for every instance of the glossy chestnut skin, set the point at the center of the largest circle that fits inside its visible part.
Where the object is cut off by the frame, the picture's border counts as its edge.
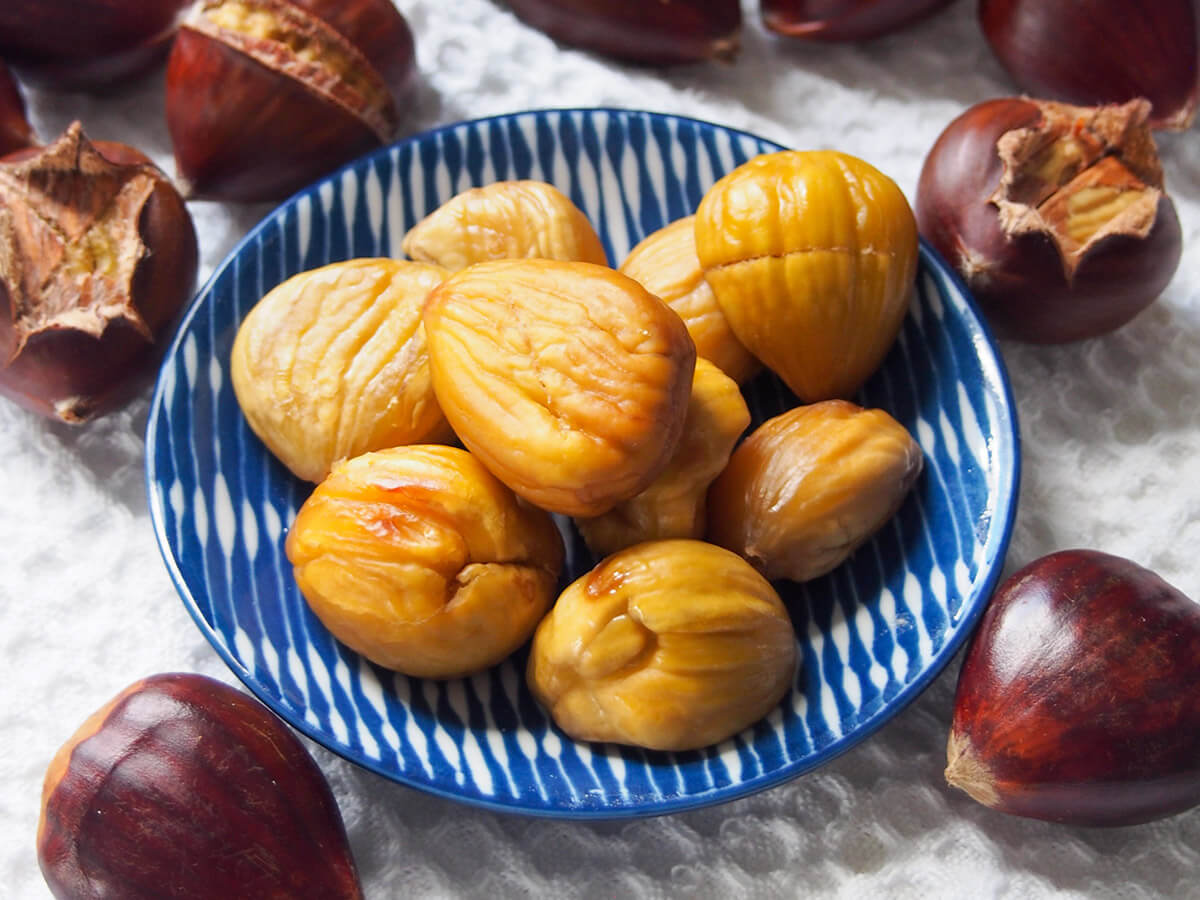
(15, 132)
(69, 375)
(663, 32)
(253, 120)
(844, 20)
(1020, 280)
(85, 45)
(184, 787)
(1090, 52)
(1077, 698)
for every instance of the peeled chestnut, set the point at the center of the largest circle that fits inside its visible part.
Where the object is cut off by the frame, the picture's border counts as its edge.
(85, 44)
(15, 132)
(1055, 215)
(1094, 52)
(658, 33)
(263, 96)
(184, 787)
(1077, 698)
(844, 20)
(97, 256)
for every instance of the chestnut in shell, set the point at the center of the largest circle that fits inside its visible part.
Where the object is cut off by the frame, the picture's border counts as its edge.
(263, 96)
(1055, 215)
(182, 786)
(15, 132)
(663, 32)
(1102, 51)
(1077, 698)
(85, 45)
(844, 20)
(98, 255)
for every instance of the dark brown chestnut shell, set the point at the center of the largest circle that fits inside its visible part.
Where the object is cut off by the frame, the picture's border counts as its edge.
(844, 20)
(1022, 279)
(1092, 52)
(659, 33)
(1077, 700)
(184, 787)
(15, 131)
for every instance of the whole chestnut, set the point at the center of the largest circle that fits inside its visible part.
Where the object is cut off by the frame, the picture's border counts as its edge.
(1093, 52)
(15, 132)
(844, 20)
(85, 45)
(1077, 698)
(1055, 215)
(97, 256)
(182, 786)
(665, 32)
(263, 96)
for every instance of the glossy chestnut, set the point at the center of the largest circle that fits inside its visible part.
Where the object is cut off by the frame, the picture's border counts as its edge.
(844, 20)
(15, 131)
(1055, 215)
(1077, 697)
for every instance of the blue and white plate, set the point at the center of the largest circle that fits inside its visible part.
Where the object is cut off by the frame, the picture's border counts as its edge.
(871, 635)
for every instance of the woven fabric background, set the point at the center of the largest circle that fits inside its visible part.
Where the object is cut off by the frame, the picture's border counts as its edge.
(1111, 441)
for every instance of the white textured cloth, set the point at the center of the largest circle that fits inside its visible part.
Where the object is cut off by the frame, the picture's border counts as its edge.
(1111, 440)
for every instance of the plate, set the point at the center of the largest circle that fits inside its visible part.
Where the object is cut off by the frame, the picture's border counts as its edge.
(871, 635)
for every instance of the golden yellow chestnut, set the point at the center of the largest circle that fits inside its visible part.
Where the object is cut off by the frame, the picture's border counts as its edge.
(807, 487)
(673, 506)
(669, 645)
(505, 220)
(665, 263)
(569, 381)
(812, 256)
(420, 560)
(333, 363)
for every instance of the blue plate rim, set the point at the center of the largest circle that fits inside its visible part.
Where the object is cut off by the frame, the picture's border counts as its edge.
(896, 704)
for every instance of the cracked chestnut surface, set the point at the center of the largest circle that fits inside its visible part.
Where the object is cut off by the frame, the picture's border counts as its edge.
(420, 560)
(569, 381)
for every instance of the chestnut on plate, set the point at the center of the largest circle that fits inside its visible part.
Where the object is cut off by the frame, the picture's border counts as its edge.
(1077, 698)
(97, 256)
(1055, 215)
(1102, 51)
(85, 45)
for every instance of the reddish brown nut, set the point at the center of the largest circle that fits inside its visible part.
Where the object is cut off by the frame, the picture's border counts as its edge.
(263, 96)
(97, 256)
(1077, 698)
(658, 33)
(15, 132)
(1055, 215)
(184, 787)
(1094, 52)
(844, 20)
(85, 45)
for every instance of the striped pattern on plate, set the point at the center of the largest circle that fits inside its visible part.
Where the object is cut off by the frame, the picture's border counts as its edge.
(871, 635)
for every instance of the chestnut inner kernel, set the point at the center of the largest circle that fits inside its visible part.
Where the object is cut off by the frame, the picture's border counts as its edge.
(1079, 177)
(285, 37)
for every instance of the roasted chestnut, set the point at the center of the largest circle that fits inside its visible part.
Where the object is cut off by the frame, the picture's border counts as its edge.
(1055, 215)
(1077, 698)
(97, 256)
(85, 45)
(844, 20)
(1093, 52)
(15, 132)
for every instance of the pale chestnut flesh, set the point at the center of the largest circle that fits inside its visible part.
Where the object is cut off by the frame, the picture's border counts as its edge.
(333, 363)
(569, 381)
(667, 645)
(812, 256)
(184, 787)
(1077, 697)
(809, 486)
(505, 220)
(674, 505)
(423, 562)
(665, 263)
